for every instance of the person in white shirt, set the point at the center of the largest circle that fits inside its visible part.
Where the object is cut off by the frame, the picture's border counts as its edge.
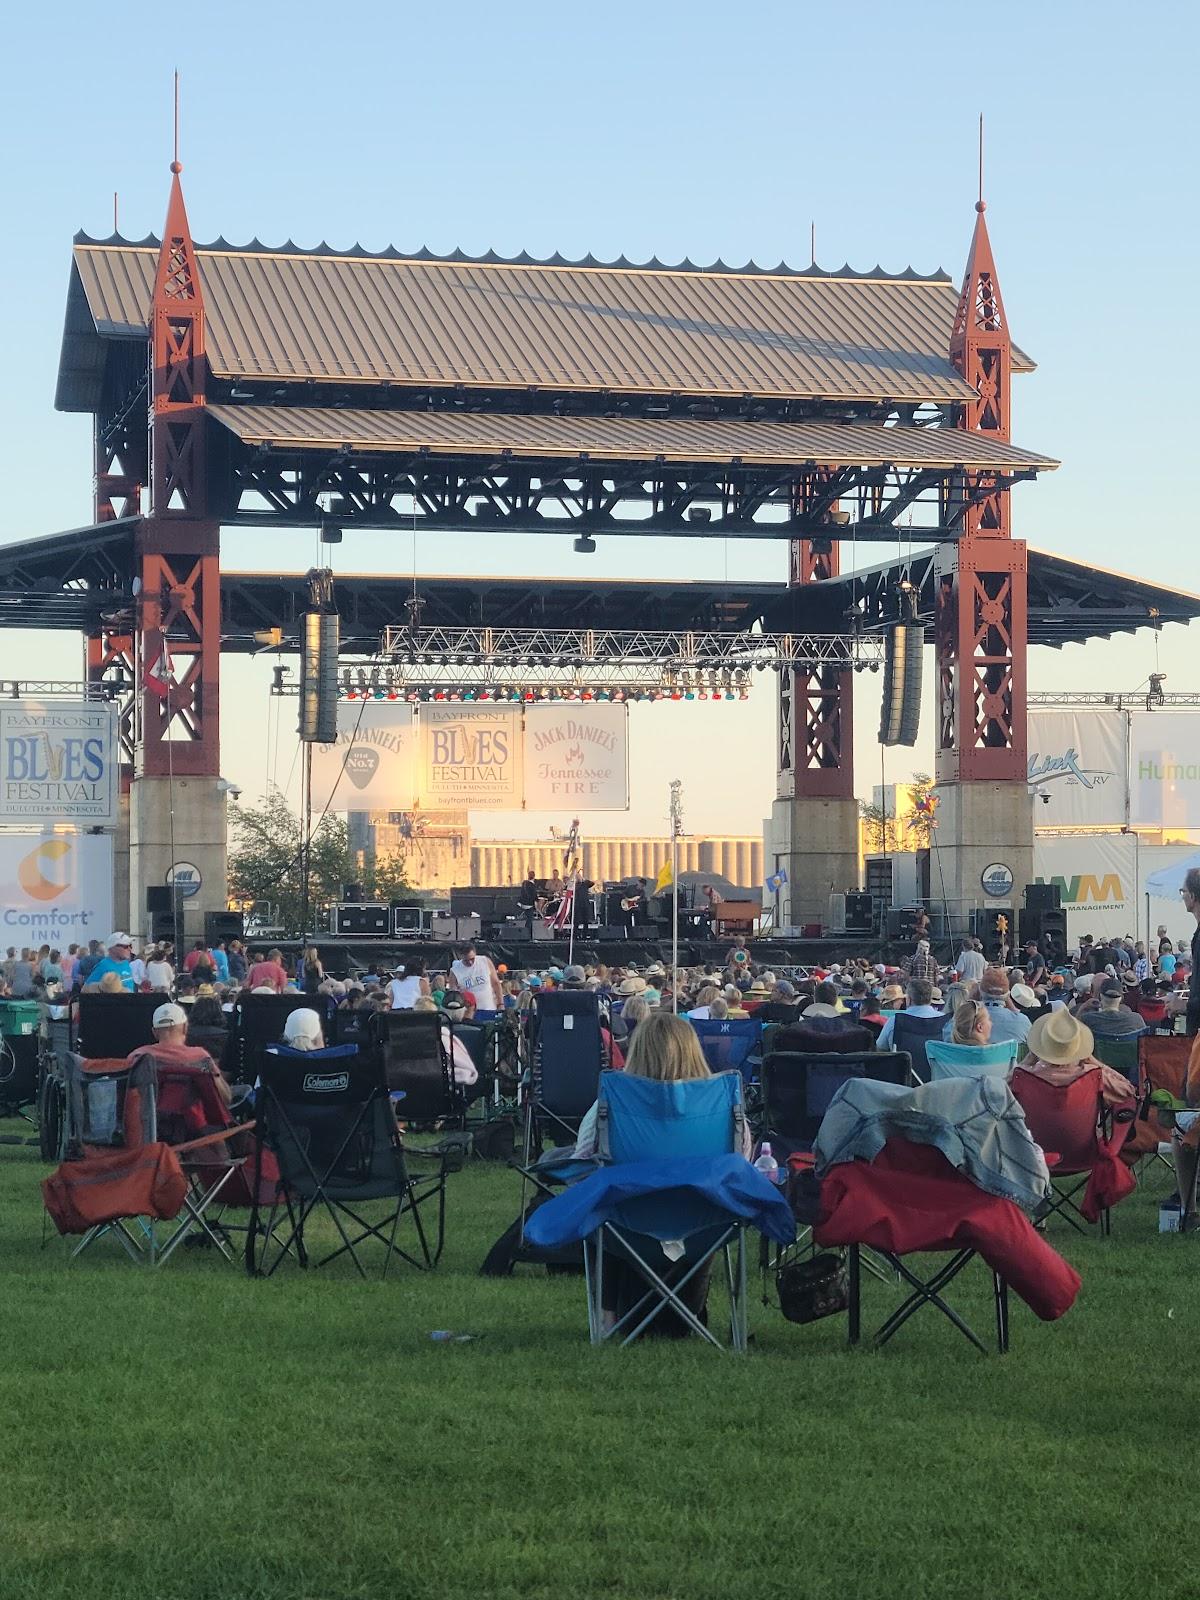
(138, 967)
(406, 989)
(160, 974)
(466, 1073)
(476, 976)
(970, 964)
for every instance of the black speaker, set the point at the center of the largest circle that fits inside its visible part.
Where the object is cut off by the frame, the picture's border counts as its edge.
(900, 718)
(1049, 929)
(318, 677)
(158, 898)
(860, 913)
(223, 925)
(1043, 896)
(353, 891)
(985, 925)
(162, 926)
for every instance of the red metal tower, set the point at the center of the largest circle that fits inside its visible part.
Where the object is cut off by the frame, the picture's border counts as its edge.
(982, 581)
(178, 544)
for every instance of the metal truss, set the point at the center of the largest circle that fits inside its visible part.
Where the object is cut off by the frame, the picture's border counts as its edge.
(57, 689)
(265, 487)
(509, 650)
(1151, 699)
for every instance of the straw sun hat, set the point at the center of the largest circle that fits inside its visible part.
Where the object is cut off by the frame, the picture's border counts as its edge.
(1060, 1039)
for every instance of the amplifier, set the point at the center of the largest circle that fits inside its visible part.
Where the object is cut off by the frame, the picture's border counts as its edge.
(860, 912)
(544, 935)
(469, 927)
(363, 921)
(480, 902)
(443, 926)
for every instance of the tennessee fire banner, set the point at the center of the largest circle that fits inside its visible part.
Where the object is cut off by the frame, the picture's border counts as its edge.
(577, 754)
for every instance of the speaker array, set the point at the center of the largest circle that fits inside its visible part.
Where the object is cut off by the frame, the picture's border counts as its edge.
(900, 720)
(318, 677)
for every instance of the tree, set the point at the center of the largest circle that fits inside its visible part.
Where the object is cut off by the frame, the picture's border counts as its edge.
(266, 861)
(883, 834)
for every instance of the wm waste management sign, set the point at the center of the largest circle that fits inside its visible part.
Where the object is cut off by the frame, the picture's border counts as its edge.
(56, 889)
(58, 762)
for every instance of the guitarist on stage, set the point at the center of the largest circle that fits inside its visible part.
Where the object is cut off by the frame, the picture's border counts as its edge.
(633, 898)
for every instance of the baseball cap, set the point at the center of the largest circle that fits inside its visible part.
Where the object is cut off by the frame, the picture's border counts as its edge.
(1111, 991)
(115, 939)
(168, 1016)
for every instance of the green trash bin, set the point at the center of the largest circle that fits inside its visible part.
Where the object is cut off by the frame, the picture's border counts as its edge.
(19, 1018)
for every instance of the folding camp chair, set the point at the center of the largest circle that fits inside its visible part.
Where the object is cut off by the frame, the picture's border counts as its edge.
(1162, 1064)
(417, 1064)
(640, 1121)
(21, 1067)
(730, 1044)
(568, 1050)
(914, 1034)
(109, 1110)
(112, 1026)
(326, 1117)
(1120, 1054)
(797, 1090)
(947, 1060)
(257, 1023)
(1081, 1138)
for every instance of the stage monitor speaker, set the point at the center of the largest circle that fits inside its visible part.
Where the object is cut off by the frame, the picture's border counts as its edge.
(353, 893)
(223, 925)
(900, 718)
(1043, 897)
(162, 927)
(318, 677)
(1049, 929)
(860, 912)
(158, 898)
(370, 921)
(985, 925)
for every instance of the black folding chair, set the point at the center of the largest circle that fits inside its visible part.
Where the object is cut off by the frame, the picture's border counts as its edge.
(327, 1118)
(416, 1063)
(797, 1089)
(20, 1073)
(258, 1022)
(111, 1026)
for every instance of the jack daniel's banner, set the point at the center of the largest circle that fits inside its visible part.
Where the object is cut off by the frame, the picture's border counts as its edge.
(392, 756)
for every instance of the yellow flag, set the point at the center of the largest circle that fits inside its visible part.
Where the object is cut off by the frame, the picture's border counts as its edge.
(664, 879)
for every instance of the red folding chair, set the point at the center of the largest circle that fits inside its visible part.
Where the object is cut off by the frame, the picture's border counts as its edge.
(1082, 1140)
(1162, 1064)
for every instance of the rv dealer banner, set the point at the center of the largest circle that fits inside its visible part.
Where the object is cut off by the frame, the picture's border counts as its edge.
(390, 757)
(58, 763)
(1090, 765)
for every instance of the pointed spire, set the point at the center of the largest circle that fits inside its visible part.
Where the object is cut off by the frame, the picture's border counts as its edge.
(980, 347)
(178, 366)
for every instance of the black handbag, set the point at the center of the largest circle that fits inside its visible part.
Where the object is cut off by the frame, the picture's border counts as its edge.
(815, 1288)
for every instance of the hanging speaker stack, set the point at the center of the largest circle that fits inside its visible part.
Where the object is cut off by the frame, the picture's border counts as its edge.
(318, 677)
(900, 719)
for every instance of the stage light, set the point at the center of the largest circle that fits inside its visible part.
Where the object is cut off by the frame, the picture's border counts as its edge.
(699, 514)
(330, 532)
(585, 545)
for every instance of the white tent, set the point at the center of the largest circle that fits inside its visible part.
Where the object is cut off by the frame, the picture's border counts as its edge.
(1166, 884)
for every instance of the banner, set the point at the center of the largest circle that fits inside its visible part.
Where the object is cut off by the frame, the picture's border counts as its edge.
(373, 764)
(471, 756)
(1164, 769)
(1077, 767)
(55, 889)
(577, 755)
(1101, 878)
(58, 762)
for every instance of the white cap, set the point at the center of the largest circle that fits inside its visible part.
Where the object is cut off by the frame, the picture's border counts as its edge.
(116, 939)
(302, 1024)
(169, 1016)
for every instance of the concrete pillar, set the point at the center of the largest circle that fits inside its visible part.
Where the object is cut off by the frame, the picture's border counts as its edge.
(980, 825)
(816, 843)
(123, 909)
(200, 841)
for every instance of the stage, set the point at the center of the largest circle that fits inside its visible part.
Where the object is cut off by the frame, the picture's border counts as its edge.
(345, 957)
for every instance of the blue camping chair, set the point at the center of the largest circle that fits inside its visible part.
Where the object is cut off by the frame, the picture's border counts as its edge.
(970, 1060)
(730, 1044)
(668, 1126)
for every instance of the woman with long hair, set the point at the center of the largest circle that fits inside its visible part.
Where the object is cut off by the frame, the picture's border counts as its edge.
(312, 973)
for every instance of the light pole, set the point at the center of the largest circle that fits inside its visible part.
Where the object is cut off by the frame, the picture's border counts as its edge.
(676, 830)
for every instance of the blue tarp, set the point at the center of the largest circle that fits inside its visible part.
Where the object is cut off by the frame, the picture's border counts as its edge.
(726, 1183)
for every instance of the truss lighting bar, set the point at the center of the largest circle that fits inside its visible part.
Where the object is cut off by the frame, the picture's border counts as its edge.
(58, 689)
(512, 651)
(1126, 699)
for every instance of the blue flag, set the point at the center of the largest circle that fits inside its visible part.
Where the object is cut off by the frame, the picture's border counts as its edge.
(776, 880)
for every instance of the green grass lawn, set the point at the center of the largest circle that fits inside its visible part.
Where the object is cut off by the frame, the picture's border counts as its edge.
(189, 1433)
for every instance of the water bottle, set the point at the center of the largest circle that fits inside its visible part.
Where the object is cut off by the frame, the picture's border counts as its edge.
(448, 1336)
(766, 1163)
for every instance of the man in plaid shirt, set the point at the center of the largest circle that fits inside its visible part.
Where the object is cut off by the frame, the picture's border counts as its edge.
(921, 964)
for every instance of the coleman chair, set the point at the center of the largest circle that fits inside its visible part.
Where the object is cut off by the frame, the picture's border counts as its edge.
(326, 1117)
(568, 1050)
(948, 1060)
(672, 1196)
(257, 1023)
(116, 1178)
(1082, 1141)
(914, 1035)
(412, 1047)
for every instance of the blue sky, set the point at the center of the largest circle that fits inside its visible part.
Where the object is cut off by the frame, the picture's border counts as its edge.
(697, 129)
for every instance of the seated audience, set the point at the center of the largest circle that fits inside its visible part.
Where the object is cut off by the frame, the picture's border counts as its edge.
(1111, 1019)
(1007, 1022)
(918, 996)
(1060, 1050)
(170, 1025)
